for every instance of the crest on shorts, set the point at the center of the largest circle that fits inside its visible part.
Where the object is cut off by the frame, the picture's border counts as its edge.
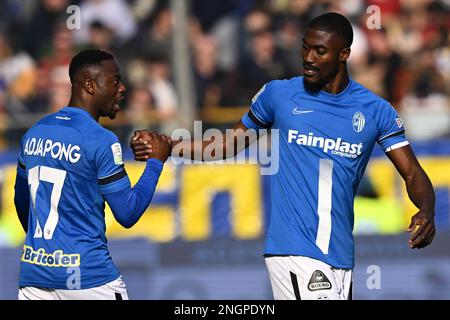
(319, 281)
(358, 121)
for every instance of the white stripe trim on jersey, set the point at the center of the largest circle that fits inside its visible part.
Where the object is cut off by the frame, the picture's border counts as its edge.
(324, 204)
(396, 146)
(391, 134)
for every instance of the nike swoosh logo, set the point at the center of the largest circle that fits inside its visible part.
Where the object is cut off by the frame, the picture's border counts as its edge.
(297, 111)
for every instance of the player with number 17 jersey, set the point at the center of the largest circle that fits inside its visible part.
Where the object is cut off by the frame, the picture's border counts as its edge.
(325, 144)
(71, 162)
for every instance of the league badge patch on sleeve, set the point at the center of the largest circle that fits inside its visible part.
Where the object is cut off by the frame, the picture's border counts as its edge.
(117, 153)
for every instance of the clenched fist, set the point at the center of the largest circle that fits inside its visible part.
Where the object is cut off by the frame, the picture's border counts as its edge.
(146, 145)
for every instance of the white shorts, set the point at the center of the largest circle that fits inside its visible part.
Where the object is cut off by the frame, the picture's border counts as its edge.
(114, 290)
(304, 278)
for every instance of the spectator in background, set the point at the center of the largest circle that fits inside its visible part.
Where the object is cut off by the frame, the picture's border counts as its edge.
(158, 38)
(55, 61)
(140, 107)
(218, 20)
(286, 38)
(426, 110)
(38, 31)
(163, 93)
(360, 50)
(228, 64)
(379, 69)
(114, 14)
(214, 87)
(18, 76)
(263, 62)
(61, 48)
(142, 9)
(255, 21)
(101, 36)
(406, 30)
(208, 91)
(60, 85)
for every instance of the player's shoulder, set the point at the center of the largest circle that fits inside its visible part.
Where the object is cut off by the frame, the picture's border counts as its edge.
(368, 98)
(80, 120)
(278, 86)
(100, 136)
(284, 84)
(92, 132)
(43, 121)
(98, 139)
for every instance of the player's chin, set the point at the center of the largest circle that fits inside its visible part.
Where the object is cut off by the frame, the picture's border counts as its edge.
(112, 116)
(114, 110)
(313, 83)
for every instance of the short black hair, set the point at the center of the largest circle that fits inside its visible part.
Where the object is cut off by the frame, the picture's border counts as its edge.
(336, 23)
(89, 57)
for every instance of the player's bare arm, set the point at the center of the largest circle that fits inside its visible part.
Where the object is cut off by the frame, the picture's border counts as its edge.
(420, 191)
(230, 143)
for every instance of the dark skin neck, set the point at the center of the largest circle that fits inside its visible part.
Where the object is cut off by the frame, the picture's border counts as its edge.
(82, 100)
(339, 82)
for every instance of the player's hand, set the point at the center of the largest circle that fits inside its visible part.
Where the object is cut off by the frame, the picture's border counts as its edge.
(424, 234)
(140, 144)
(146, 145)
(161, 147)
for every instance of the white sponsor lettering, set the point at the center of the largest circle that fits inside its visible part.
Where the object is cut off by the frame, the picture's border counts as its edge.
(335, 146)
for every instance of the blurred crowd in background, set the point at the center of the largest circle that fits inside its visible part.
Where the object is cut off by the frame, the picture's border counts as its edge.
(235, 47)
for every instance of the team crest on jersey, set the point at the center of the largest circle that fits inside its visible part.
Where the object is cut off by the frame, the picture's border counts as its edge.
(358, 121)
(399, 122)
(117, 153)
(319, 281)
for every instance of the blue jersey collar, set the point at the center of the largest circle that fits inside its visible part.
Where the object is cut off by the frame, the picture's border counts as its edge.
(77, 110)
(331, 96)
(337, 96)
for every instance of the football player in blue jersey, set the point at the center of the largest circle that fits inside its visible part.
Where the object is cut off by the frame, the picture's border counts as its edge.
(68, 166)
(328, 125)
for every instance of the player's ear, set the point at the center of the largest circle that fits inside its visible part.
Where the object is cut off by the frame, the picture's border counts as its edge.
(89, 86)
(344, 54)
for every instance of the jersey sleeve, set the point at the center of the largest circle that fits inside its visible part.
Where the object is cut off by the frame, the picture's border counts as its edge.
(111, 174)
(391, 132)
(128, 205)
(260, 115)
(21, 168)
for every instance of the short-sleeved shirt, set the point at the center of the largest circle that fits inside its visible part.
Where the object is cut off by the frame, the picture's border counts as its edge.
(70, 162)
(325, 142)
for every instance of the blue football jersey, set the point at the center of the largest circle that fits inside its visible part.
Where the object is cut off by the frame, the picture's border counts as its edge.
(325, 142)
(70, 161)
